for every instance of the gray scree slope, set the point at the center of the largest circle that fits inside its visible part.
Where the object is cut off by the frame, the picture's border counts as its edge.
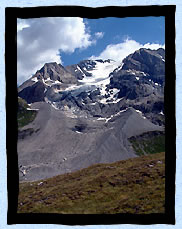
(61, 144)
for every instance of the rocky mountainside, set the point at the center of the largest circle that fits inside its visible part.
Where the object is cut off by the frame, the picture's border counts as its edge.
(88, 112)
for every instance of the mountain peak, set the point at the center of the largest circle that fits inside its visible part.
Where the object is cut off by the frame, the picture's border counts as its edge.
(92, 86)
(95, 105)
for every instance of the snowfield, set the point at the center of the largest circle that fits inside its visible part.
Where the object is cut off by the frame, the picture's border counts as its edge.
(99, 79)
(100, 75)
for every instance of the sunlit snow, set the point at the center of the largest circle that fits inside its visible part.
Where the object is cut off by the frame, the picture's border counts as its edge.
(107, 119)
(80, 70)
(100, 74)
(138, 111)
(35, 79)
(30, 109)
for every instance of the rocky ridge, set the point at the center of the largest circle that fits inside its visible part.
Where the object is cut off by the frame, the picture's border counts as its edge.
(88, 112)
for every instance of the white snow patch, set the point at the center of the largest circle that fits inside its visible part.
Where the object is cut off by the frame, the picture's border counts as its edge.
(41, 183)
(115, 91)
(120, 67)
(54, 106)
(45, 82)
(30, 109)
(112, 93)
(57, 82)
(106, 100)
(156, 84)
(100, 74)
(137, 78)
(116, 101)
(162, 58)
(100, 118)
(72, 87)
(138, 111)
(24, 172)
(99, 77)
(57, 90)
(144, 73)
(81, 71)
(103, 101)
(161, 113)
(78, 132)
(35, 79)
(117, 114)
(48, 79)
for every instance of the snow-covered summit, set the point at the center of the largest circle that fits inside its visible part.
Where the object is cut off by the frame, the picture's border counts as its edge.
(100, 73)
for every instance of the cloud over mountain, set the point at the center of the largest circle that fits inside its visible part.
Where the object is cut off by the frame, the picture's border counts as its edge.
(39, 41)
(119, 51)
(44, 40)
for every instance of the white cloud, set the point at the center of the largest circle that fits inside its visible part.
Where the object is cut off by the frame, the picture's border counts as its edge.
(99, 35)
(39, 41)
(119, 51)
(153, 46)
(21, 24)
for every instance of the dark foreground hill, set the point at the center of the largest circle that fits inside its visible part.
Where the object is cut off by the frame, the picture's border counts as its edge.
(135, 185)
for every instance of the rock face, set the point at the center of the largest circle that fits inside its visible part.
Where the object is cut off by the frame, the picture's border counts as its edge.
(33, 93)
(88, 111)
(149, 61)
(51, 74)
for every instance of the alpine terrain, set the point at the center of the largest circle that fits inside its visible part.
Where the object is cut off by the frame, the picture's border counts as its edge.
(96, 111)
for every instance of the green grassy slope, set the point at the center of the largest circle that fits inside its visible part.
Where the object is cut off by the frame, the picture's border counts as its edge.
(24, 116)
(149, 143)
(135, 185)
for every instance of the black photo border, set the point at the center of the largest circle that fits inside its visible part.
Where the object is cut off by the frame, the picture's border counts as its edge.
(11, 15)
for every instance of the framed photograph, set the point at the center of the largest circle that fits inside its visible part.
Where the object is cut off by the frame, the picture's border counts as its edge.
(90, 102)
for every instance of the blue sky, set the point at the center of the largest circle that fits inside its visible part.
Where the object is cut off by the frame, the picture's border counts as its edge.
(70, 40)
(116, 30)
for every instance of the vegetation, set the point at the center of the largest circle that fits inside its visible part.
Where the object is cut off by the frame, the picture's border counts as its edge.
(135, 185)
(24, 116)
(149, 143)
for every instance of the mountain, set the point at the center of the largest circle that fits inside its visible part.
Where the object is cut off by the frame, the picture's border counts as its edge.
(141, 82)
(91, 112)
(51, 75)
